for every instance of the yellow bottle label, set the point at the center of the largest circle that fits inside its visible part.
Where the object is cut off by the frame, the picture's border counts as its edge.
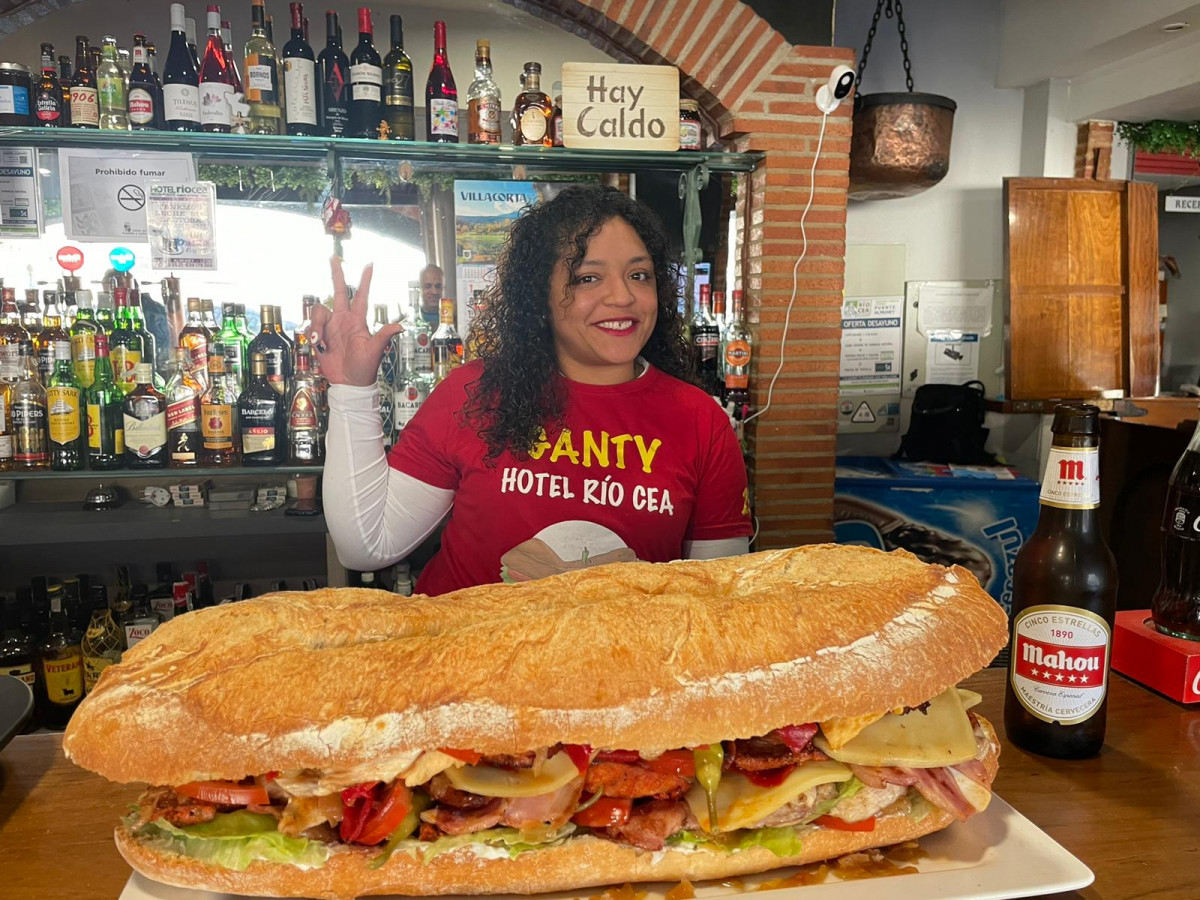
(216, 425)
(64, 677)
(62, 403)
(83, 351)
(124, 360)
(92, 667)
(22, 671)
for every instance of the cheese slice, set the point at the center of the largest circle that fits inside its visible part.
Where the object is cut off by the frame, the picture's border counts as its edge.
(428, 764)
(556, 772)
(838, 732)
(743, 804)
(969, 698)
(939, 736)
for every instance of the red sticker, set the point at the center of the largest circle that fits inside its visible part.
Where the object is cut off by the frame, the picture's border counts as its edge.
(70, 258)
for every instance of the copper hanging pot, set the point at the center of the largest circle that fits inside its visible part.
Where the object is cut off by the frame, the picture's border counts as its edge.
(900, 145)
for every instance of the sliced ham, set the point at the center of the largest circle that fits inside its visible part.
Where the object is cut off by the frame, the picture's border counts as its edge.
(554, 809)
(937, 785)
(650, 824)
(974, 769)
(448, 820)
(443, 792)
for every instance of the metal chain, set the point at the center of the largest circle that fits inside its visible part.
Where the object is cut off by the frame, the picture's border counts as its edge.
(889, 8)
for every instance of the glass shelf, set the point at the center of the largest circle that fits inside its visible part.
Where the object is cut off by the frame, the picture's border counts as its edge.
(163, 474)
(265, 148)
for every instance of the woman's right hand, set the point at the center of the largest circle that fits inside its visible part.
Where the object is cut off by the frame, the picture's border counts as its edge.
(349, 353)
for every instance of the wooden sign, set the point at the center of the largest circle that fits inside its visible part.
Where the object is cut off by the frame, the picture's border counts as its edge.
(617, 107)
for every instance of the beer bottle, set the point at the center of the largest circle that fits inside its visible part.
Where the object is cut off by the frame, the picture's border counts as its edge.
(1176, 603)
(1064, 599)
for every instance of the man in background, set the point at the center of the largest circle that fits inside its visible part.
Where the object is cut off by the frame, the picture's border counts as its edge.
(432, 291)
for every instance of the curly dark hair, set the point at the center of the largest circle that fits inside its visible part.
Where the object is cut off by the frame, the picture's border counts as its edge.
(518, 395)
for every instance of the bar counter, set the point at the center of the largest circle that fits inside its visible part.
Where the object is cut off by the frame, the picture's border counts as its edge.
(1132, 814)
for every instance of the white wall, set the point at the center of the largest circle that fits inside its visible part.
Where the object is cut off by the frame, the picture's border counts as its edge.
(1179, 236)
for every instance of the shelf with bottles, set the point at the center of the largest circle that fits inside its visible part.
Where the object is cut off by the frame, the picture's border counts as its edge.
(111, 476)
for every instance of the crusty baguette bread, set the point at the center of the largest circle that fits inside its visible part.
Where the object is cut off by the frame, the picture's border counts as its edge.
(578, 863)
(632, 655)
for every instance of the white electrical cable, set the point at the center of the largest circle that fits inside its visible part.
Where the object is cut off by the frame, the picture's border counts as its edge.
(787, 319)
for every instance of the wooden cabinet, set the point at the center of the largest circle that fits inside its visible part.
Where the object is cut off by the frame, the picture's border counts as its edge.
(1080, 288)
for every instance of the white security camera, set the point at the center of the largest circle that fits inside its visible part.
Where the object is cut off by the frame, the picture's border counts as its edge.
(836, 89)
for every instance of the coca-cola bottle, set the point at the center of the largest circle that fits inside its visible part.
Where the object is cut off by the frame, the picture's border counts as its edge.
(1064, 601)
(1176, 603)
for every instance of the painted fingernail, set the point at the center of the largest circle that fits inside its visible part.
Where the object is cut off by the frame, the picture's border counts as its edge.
(315, 337)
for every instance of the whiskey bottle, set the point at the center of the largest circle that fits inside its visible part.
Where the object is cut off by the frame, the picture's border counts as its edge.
(532, 111)
(183, 413)
(65, 415)
(194, 339)
(305, 444)
(145, 422)
(62, 665)
(52, 342)
(83, 341)
(102, 642)
(124, 344)
(260, 414)
(17, 656)
(30, 441)
(221, 438)
(483, 100)
(275, 349)
(105, 425)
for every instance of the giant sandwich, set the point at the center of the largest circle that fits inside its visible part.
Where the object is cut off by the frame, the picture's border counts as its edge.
(629, 722)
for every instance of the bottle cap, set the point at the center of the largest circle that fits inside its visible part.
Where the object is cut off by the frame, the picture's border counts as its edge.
(144, 373)
(1076, 418)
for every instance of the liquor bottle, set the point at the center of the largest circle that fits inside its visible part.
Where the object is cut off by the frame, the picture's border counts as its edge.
(305, 444)
(110, 79)
(181, 599)
(135, 322)
(31, 448)
(12, 332)
(398, 87)
(102, 642)
(31, 314)
(275, 350)
(736, 352)
(61, 664)
(17, 655)
(77, 611)
(245, 335)
(441, 95)
(189, 25)
(162, 596)
(299, 78)
(180, 79)
(411, 388)
(422, 351)
(333, 71)
(85, 99)
(1175, 606)
(556, 119)
(194, 339)
(216, 83)
(446, 345)
(1064, 600)
(279, 330)
(262, 76)
(235, 348)
(143, 104)
(7, 380)
(65, 415)
(385, 378)
(532, 111)
(483, 100)
(208, 315)
(220, 437)
(105, 317)
(261, 415)
(64, 81)
(122, 602)
(124, 344)
(366, 84)
(142, 621)
(145, 421)
(105, 425)
(83, 343)
(706, 336)
(183, 394)
(48, 96)
(52, 342)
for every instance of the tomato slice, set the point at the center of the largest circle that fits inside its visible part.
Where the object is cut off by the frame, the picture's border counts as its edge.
(768, 777)
(604, 812)
(225, 793)
(797, 737)
(842, 825)
(356, 809)
(386, 814)
(581, 755)
(621, 756)
(673, 762)
(470, 757)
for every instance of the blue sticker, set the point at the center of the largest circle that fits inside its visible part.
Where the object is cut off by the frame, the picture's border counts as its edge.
(122, 259)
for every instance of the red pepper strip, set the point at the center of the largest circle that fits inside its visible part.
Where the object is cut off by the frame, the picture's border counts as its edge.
(619, 756)
(842, 825)
(581, 755)
(357, 802)
(606, 811)
(470, 757)
(797, 737)
(769, 777)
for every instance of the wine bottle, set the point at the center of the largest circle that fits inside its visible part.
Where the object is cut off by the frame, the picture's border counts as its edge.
(441, 95)
(85, 96)
(299, 78)
(142, 98)
(235, 77)
(262, 76)
(216, 86)
(333, 71)
(189, 25)
(181, 80)
(398, 87)
(366, 81)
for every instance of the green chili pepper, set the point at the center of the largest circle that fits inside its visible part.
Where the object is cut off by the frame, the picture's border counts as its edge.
(709, 760)
(420, 803)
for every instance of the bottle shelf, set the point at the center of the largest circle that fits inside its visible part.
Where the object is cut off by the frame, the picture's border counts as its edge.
(266, 148)
(166, 475)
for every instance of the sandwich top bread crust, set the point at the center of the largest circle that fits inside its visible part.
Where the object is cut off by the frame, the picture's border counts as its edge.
(631, 655)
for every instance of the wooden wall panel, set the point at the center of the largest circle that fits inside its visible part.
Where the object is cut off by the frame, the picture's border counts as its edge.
(1037, 220)
(1095, 331)
(1094, 250)
(1041, 325)
(1141, 276)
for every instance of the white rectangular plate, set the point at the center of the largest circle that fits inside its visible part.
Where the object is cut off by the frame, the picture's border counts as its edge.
(995, 855)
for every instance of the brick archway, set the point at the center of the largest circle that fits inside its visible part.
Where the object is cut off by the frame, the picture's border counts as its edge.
(757, 90)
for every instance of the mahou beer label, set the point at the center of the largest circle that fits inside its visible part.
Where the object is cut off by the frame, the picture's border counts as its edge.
(1059, 666)
(1072, 478)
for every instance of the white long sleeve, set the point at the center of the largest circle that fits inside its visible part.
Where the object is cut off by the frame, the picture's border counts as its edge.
(376, 514)
(716, 549)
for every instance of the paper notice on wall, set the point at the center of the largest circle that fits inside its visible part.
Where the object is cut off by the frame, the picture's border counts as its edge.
(180, 221)
(104, 191)
(950, 307)
(20, 193)
(872, 336)
(951, 357)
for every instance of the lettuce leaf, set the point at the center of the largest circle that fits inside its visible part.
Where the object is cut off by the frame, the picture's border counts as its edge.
(234, 840)
(846, 790)
(783, 841)
(514, 840)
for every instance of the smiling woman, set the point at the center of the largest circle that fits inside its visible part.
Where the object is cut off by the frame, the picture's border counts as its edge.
(577, 437)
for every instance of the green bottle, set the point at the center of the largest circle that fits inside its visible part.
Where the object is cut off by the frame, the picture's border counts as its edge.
(136, 323)
(125, 345)
(106, 424)
(65, 411)
(83, 344)
(235, 348)
(111, 83)
(104, 312)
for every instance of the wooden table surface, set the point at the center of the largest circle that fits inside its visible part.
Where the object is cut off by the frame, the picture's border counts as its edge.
(1132, 814)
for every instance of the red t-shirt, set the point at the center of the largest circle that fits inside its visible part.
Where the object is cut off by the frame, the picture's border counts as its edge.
(637, 469)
